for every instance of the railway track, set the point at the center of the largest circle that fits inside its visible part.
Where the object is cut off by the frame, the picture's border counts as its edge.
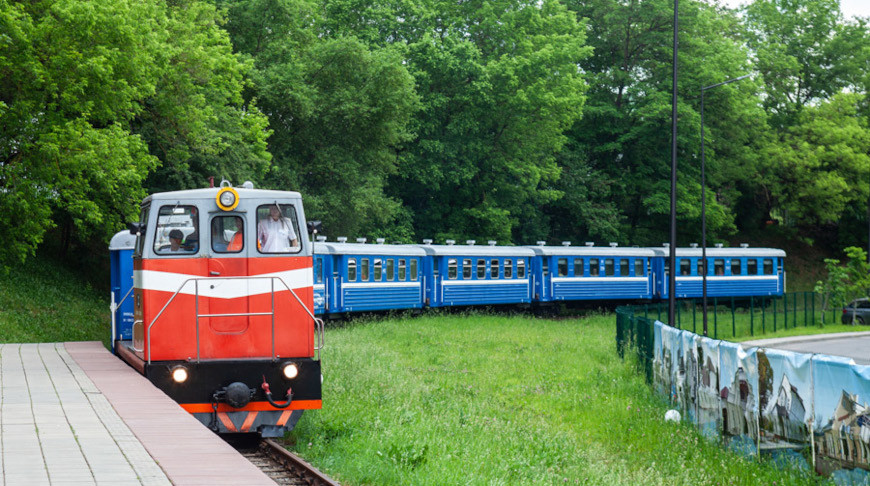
(284, 467)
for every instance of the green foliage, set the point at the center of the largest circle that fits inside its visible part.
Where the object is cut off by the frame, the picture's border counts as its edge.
(502, 400)
(96, 95)
(845, 282)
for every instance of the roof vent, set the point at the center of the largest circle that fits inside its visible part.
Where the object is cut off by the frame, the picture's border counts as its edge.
(491, 242)
(381, 240)
(744, 245)
(247, 185)
(470, 242)
(427, 241)
(361, 240)
(541, 243)
(666, 245)
(613, 244)
(693, 245)
(718, 245)
(321, 238)
(341, 239)
(566, 243)
(450, 242)
(590, 243)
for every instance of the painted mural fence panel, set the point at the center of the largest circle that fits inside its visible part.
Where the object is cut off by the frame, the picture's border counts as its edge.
(806, 409)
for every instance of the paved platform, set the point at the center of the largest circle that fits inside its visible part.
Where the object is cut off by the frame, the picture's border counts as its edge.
(73, 414)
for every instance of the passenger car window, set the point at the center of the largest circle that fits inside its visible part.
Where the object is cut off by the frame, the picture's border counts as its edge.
(414, 269)
(521, 268)
(623, 267)
(391, 269)
(767, 265)
(177, 231)
(318, 270)
(608, 267)
(639, 267)
(402, 270)
(481, 268)
(452, 272)
(593, 267)
(378, 269)
(509, 268)
(466, 268)
(685, 266)
(277, 229)
(719, 266)
(364, 269)
(700, 269)
(493, 268)
(351, 269)
(735, 267)
(562, 267)
(752, 266)
(578, 267)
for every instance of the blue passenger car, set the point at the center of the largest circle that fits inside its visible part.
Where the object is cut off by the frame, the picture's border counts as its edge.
(737, 272)
(568, 273)
(459, 275)
(359, 277)
(324, 279)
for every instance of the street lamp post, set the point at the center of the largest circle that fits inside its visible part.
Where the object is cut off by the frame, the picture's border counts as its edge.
(704, 200)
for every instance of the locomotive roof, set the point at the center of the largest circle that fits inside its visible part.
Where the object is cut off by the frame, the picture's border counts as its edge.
(592, 251)
(723, 252)
(474, 250)
(334, 248)
(211, 192)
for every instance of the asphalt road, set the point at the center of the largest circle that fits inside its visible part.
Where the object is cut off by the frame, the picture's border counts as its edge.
(855, 345)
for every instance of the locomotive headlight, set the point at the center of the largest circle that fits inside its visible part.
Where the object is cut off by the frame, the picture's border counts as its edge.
(179, 374)
(227, 198)
(291, 371)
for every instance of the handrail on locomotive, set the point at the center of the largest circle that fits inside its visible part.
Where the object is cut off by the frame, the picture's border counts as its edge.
(318, 323)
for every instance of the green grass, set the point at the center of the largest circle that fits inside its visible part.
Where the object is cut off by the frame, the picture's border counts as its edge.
(501, 400)
(41, 301)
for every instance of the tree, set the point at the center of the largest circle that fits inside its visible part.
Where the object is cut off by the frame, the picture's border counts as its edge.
(87, 87)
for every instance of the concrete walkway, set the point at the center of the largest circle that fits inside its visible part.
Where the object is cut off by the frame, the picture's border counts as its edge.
(855, 345)
(73, 414)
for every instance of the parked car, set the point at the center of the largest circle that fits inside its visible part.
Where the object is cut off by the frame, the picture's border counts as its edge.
(858, 309)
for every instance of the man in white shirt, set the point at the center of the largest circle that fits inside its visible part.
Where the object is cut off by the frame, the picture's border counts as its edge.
(275, 234)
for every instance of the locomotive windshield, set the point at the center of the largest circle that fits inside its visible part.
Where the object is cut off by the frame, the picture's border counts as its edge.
(177, 230)
(277, 229)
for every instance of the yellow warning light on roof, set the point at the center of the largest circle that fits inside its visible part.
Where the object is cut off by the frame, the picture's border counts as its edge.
(227, 198)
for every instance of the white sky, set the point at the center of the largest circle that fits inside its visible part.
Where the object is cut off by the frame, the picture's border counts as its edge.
(850, 8)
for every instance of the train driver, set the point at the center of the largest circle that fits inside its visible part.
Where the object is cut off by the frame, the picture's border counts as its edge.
(175, 237)
(275, 233)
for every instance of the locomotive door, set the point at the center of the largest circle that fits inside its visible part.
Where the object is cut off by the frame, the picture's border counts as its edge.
(226, 295)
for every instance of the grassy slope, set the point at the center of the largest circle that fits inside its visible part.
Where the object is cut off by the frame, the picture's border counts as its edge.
(41, 301)
(501, 400)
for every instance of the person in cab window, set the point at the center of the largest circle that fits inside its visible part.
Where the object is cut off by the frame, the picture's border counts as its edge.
(175, 237)
(275, 234)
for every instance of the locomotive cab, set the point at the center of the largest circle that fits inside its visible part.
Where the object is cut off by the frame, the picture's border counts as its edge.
(223, 307)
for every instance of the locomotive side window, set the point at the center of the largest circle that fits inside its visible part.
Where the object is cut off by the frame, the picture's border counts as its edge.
(481, 268)
(624, 267)
(509, 268)
(767, 264)
(735, 267)
(402, 270)
(351, 269)
(140, 239)
(413, 269)
(177, 230)
(521, 268)
(378, 270)
(752, 266)
(685, 266)
(578, 267)
(719, 266)
(277, 228)
(638, 267)
(227, 235)
(391, 270)
(562, 267)
(608, 267)
(593, 267)
(452, 271)
(493, 268)
(364, 269)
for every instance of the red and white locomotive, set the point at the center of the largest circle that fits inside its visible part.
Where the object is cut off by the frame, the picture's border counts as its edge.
(222, 306)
